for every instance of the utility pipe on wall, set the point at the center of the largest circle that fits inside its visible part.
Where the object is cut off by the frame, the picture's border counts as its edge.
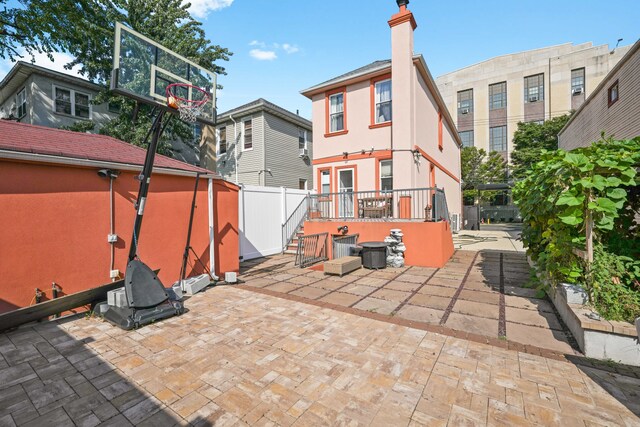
(235, 148)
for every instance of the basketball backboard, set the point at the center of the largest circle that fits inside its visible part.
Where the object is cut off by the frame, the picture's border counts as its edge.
(143, 68)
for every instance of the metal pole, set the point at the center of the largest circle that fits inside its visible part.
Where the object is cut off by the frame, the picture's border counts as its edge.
(185, 256)
(145, 178)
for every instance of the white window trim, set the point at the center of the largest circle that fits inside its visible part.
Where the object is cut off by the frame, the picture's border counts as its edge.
(72, 95)
(380, 177)
(23, 92)
(341, 112)
(306, 138)
(218, 153)
(376, 102)
(253, 140)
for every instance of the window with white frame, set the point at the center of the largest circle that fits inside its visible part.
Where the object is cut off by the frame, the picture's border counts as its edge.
(534, 88)
(336, 112)
(386, 175)
(21, 102)
(302, 138)
(71, 102)
(325, 182)
(467, 138)
(383, 101)
(222, 140)
(247, 134)
(498, 139)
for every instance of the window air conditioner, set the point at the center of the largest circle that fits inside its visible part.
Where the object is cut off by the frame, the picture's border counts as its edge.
(304, 153)
(576, 90)
(464, 111)
(455, 222)
(533, 98)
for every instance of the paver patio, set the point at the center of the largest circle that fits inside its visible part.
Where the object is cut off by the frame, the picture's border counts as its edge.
(243, 358)
(479, 292)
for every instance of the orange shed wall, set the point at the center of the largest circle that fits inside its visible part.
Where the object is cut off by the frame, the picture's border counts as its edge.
(429, 244)
(55, 222)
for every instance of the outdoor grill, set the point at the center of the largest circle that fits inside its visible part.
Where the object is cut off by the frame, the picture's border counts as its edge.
(374, 255)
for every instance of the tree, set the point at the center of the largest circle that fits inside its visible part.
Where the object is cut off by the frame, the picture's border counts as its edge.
(530, 139)
(478, 168)
(87, 34)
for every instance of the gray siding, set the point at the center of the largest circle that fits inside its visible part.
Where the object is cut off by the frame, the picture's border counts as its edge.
(620, 120)
(282, 155)
(250, 162)
(42, 110)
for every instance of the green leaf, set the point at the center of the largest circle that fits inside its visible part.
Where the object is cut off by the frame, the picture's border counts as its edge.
(613, 181)
(570, 219)
(569, 199)
(599, 182)
(617, 193)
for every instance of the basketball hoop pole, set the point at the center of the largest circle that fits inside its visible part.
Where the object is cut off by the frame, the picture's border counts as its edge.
(145, 177)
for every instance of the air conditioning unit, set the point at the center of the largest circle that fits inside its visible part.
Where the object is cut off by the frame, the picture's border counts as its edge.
(304, 153)
(455, 222)
(533, 98)
(577, 90)
(464, 111)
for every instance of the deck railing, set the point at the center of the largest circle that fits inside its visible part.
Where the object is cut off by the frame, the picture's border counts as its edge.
(293, 223)
(425, 204)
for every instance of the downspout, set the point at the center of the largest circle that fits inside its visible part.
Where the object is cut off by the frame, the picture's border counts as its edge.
(212, 231)
(111, 232)
(235, 148)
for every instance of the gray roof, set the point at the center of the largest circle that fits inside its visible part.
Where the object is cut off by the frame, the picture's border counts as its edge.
(369, 68)
(262, 104)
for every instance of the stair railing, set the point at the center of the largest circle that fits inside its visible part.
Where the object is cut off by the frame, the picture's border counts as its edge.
(293, 223)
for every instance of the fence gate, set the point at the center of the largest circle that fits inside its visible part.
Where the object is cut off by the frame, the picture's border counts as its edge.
(471, 217)
(312, 248)
(341, 245)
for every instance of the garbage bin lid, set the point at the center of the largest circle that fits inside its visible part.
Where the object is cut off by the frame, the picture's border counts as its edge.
(373, 244)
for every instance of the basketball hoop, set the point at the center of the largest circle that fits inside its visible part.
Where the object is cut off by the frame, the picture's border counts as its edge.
(189, 109)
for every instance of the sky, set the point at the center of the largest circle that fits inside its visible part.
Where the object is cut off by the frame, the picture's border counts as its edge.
(282, 47)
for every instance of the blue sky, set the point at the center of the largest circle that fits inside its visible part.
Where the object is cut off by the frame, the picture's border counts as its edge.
(282, 47)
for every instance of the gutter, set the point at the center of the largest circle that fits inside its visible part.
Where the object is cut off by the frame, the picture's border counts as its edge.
(235, 142)
(45, 158)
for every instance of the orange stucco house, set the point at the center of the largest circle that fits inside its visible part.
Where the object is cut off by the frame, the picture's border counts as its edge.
(386, 148)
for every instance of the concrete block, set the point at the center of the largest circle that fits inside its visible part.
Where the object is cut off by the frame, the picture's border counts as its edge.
(194, 285)
(573, 294)
(117, 298)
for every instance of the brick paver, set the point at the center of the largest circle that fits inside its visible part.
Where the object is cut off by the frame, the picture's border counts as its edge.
(244, 358)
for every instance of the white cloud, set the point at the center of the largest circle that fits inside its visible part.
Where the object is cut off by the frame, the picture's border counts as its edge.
(257, 43)
(42, 60)
(201, 8)
(290, 48)
(263, 55)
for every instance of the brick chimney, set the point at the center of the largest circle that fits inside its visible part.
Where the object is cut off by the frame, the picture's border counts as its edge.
(403, 93)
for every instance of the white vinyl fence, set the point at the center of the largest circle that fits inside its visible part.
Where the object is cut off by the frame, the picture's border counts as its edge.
(262, 213)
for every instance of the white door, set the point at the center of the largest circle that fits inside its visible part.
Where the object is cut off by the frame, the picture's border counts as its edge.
(345, 188)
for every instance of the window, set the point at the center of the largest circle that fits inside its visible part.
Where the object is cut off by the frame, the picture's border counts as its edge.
(498, 96)
(222, 140)
(73, 103)
(325, 181)
(465, 101)
(21, 102)
(467, 138)
(336, 112)
(302, 138)
(577, 81)
(302, 184)
(386, 175)
(247, 134)
(498, 138)
(383, 101)
(613, 93)
(534, 88)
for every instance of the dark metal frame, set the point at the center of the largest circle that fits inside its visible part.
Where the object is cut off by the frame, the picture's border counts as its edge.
(312, 249)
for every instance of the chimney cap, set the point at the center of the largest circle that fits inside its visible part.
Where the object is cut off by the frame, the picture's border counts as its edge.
(402, 3)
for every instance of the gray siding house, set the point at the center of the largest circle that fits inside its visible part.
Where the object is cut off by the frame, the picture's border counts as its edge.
(260, 143)
(39, 96)
(612, 108)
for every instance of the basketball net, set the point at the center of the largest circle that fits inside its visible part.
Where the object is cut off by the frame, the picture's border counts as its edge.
(188, 109)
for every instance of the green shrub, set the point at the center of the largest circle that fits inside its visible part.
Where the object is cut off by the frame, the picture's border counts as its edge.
(556, 199)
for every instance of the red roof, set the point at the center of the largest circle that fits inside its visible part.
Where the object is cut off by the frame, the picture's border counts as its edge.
(26, 138)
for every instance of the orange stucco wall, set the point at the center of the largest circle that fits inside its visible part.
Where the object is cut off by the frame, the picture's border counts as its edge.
(429, 244)
(55, 222)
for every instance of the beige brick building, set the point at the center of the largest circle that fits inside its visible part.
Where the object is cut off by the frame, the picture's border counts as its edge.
(488, 99)
(612, 108)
